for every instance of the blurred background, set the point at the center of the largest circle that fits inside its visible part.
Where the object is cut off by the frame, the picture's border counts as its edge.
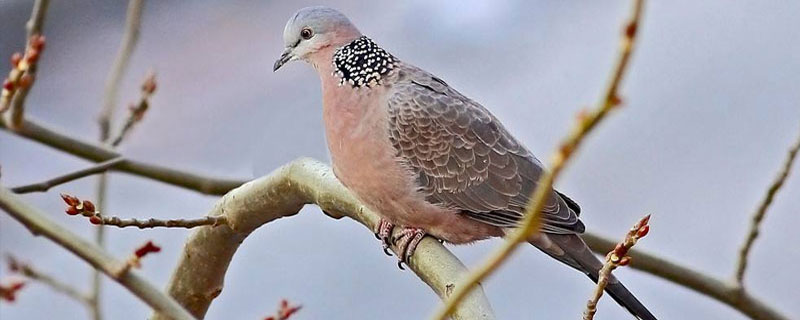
(711, 105)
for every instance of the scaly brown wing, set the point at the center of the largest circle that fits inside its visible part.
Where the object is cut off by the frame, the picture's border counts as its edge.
(464, 158)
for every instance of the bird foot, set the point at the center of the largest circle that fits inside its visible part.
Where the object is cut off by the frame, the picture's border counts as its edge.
(406, 242)
(383, 232)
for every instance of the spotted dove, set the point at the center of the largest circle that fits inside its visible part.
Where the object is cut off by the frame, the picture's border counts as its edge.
(423, 155)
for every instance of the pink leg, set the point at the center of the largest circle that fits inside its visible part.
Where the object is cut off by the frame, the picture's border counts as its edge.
(407, 242)
(384, 233)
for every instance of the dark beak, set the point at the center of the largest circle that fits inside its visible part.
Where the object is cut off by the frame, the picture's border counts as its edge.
(285, 57)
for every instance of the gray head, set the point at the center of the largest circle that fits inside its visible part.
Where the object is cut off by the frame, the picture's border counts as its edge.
(312, 29)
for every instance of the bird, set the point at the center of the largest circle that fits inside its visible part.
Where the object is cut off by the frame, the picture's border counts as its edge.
(425, 157)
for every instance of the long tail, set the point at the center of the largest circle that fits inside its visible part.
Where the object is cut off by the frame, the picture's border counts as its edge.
(571, 250)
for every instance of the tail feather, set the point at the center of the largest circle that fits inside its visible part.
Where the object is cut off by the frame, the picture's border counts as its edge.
(571, 250)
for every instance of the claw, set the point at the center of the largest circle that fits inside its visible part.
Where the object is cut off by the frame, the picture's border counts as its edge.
(407, 242)
(384, 233)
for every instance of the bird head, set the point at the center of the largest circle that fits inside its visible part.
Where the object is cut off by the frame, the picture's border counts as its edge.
(313, 29)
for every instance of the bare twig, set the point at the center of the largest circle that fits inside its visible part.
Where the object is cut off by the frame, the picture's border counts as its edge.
(615, 258)
(111, 92)
(97, 153)
(38, 223)
(724, 291)
(157, 223)
(137, 111)
(48, 280)
(87, 209)
(129, 39)
(95, 291)
(758, 216)
(285, 311)
(134, 261)
(35, 24)
(198, 277)
(586, 122)
(21, 75)
(34, 28)
(72, 176)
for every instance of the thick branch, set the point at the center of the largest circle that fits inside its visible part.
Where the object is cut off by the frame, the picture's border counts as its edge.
(586, 122)
(96, 153)
(38, 223)
(758, 216)
(72, 176)
(198, 278)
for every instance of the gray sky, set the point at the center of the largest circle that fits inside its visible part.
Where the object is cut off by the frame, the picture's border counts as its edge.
(712, 103)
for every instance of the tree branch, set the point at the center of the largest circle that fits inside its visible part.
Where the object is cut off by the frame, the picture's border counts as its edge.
(58, 286)
(129, 39)
(199, 275)
(586, 122)
(110, 94)
(138, 110)
(681, 275)
(758, 216)
(38, 223)
(72, 176)
(87, 209)
(34, 27)
(158, 223)
(724, 291)
(96, 153)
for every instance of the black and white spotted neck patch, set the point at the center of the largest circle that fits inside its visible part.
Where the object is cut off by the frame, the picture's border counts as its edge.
(362, 63)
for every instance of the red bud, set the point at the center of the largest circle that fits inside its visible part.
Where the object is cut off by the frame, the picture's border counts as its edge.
(26, 80)
(70, 200)
(9, 293)
(616, 101)
(149, 84)
(88, 206)
(96, 220)
(71, 211)
(8, 85)
(582, 115)
(630, 30)
(619, 249)
(38, 42)
(32, 56)
(643, 231)
(15, 59)
(147, 248)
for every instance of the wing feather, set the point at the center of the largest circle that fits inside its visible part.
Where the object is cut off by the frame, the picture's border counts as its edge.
(464, 158)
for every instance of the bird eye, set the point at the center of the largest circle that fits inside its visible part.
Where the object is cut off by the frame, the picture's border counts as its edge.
(306, 33)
